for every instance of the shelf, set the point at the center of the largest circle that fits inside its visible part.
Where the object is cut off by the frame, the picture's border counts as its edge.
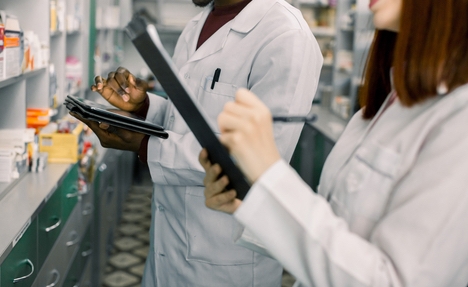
(323, 31)
(73, 33)
(314, 3)
(55, 34)
(104, 29)
(11, 81)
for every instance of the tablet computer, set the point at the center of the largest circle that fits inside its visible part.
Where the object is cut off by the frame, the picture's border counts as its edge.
(146, 40)
(115, 117)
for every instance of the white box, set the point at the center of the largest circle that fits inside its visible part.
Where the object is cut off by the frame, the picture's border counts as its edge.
(12, 50)
(7, 165)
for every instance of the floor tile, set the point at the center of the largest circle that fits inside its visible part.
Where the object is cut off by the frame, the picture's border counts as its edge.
(129, 229)
(120, 279)
(127, 243)
(124, 260)
(133, 216)
(142, 251)
(138, 270)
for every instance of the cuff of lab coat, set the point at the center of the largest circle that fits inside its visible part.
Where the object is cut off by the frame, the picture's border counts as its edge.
(156, 105)
(251, 203)
(154, 151)
(246, 239)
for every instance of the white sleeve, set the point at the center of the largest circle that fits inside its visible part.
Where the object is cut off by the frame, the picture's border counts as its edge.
(285, 76)
(157, 109)
(422, 241)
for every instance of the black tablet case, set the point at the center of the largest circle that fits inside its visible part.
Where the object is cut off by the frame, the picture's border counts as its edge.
(148, 44)
(96, 112)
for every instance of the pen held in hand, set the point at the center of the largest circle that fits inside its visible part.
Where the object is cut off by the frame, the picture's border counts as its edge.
(296, 119)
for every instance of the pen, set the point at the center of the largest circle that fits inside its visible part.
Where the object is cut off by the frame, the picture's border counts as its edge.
(215, 77)
(295, 119)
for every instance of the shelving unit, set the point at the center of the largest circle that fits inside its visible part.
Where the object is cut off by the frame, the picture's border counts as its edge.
(354, 36)
(320, 15)
(108, 19)
(52, 200)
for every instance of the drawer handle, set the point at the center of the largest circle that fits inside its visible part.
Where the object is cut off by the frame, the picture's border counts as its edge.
(86, 253)
(102, 167)
(57, 278)
(27, 261)
(50, 228)
(74, 194)
(88, 209)
(73, 241)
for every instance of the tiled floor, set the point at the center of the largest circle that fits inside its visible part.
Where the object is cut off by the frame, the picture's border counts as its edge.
(126, 264)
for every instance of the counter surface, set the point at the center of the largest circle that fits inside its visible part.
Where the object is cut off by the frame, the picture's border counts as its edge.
(329, 124)
(24, 201)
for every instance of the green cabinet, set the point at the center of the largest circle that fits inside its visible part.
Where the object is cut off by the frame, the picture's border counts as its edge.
(69, 191)
(50, 222)
(21, 266)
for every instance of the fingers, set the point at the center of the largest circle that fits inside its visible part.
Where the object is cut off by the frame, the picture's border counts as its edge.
(246, 97)
(221, 201)
(212, 174)
(203, 159)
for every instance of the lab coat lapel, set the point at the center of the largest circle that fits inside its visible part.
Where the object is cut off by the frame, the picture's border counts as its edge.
(194, 30)
(247, 19)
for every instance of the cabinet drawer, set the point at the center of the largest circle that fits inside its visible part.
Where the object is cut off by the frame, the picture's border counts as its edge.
(70, 193)
(59, 259)
(50, 225)
(20, 267)
(79, 262)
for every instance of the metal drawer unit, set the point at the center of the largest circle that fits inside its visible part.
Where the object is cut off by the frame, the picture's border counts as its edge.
(81, 259)
(105, 193)
(20, 267)
(65, 249)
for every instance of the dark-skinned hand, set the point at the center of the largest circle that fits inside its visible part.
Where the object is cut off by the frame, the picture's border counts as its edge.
(112, 137)
(122, 89)
(215, 195)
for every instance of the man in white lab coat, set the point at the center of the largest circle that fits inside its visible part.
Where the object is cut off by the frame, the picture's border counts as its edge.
(263, 45)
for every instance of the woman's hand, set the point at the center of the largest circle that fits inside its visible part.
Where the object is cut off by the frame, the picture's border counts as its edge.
(122, 90)
(247, 131)
(112, 137)
(215, 195)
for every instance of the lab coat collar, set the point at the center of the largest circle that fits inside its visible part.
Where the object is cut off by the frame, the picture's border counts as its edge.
(247, 19)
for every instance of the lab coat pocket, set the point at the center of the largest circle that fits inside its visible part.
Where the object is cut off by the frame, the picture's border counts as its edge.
(213, 100)
(370, 180)
(210, 233)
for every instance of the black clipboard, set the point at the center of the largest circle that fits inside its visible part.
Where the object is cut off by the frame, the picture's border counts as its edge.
(146, 40)
(115, 117)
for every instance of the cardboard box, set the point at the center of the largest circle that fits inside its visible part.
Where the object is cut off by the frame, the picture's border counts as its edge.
(61, 147)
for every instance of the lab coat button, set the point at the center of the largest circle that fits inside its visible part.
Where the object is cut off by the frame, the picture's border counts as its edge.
(187, 76)
(161, 208)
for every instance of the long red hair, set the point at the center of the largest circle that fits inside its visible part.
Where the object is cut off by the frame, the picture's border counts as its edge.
(430, 50)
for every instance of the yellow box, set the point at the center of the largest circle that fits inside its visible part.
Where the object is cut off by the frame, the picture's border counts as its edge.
(62, 148)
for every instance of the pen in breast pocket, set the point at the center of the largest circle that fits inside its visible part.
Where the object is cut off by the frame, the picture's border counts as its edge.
(296, 119)
(215, 77)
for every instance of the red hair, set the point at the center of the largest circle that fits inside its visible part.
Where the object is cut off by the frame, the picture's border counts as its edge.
(430, 50)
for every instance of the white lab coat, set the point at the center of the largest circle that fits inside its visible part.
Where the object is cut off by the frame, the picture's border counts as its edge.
(392, 208)
(269, 49)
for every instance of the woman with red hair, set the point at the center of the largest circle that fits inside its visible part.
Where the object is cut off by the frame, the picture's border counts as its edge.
(392, 205)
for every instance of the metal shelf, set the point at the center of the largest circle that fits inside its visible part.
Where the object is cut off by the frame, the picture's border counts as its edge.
(14, 80)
